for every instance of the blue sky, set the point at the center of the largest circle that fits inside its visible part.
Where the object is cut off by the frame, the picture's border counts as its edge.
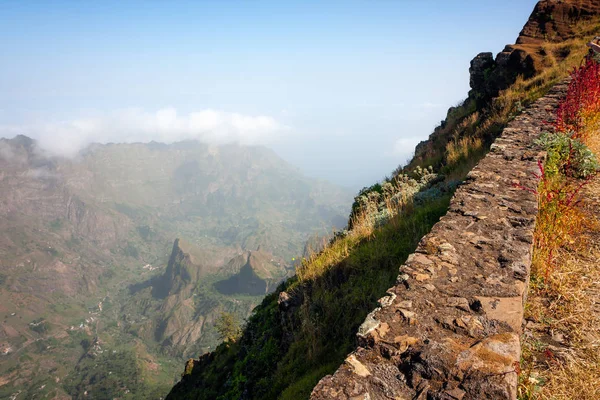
(341, 89)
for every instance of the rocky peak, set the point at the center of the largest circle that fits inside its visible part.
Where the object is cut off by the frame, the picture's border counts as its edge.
(553, 20)
(255, 272)
(550, 21)
(479, 65)
(22, 141)
(181, 274)
(21, 151)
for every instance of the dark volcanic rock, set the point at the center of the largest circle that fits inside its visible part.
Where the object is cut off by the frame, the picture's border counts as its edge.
(481, 66)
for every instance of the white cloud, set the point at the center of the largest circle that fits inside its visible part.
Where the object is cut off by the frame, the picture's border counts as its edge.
(137, 125)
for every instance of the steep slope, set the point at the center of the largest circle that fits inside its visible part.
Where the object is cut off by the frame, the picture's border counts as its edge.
(556, 20)
(52, 242)
(306, 329)
(450, 326)
(181, 274)
(178, 309)
(551, 43)
(85, 254)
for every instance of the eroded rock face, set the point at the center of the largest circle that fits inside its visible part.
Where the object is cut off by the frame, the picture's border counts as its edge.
(553, 19)
(179, 325)
(489, 76)
(449, 328)
(255, 273)
(481, 67)
(287, 301)
(550, 21)
(47, 227)
(181, 275)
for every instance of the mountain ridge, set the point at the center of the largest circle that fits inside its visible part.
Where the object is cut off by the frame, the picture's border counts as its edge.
(84, 242)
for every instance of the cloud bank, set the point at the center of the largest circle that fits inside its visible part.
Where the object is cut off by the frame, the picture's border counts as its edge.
(136, 125)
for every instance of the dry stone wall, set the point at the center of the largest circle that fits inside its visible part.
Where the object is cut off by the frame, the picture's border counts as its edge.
(450, 327)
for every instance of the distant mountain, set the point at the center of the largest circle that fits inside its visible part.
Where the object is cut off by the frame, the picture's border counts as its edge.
(88, 266)
(214, 195)
(177, 309)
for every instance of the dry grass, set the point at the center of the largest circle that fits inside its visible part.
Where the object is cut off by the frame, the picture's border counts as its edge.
(555, 60)
(363, 228)
(577, 380)
(459, 149)
(558, 224)
(331, 255)
(525, 91)
(561, 347)
(558, 61)
(591, 132)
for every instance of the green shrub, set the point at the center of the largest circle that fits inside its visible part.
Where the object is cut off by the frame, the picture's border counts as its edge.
(56, 224)
(379, 203)
(228, 327)
(568, 156)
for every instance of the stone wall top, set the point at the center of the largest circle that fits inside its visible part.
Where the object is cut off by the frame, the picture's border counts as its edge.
(450, 327)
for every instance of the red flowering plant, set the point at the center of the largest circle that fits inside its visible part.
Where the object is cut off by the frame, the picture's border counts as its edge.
(569, 166)
(581, 106)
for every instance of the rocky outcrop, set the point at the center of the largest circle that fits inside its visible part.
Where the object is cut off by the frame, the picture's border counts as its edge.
(105, 229)
(178, 324)
(181, 326)
(540, 44)
(489, 76)
(181, 275)
(552, 21)
(173, 321)
(449, 328)
(255, 273)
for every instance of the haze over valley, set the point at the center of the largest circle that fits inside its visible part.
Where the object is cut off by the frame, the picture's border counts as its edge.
(124, 256)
